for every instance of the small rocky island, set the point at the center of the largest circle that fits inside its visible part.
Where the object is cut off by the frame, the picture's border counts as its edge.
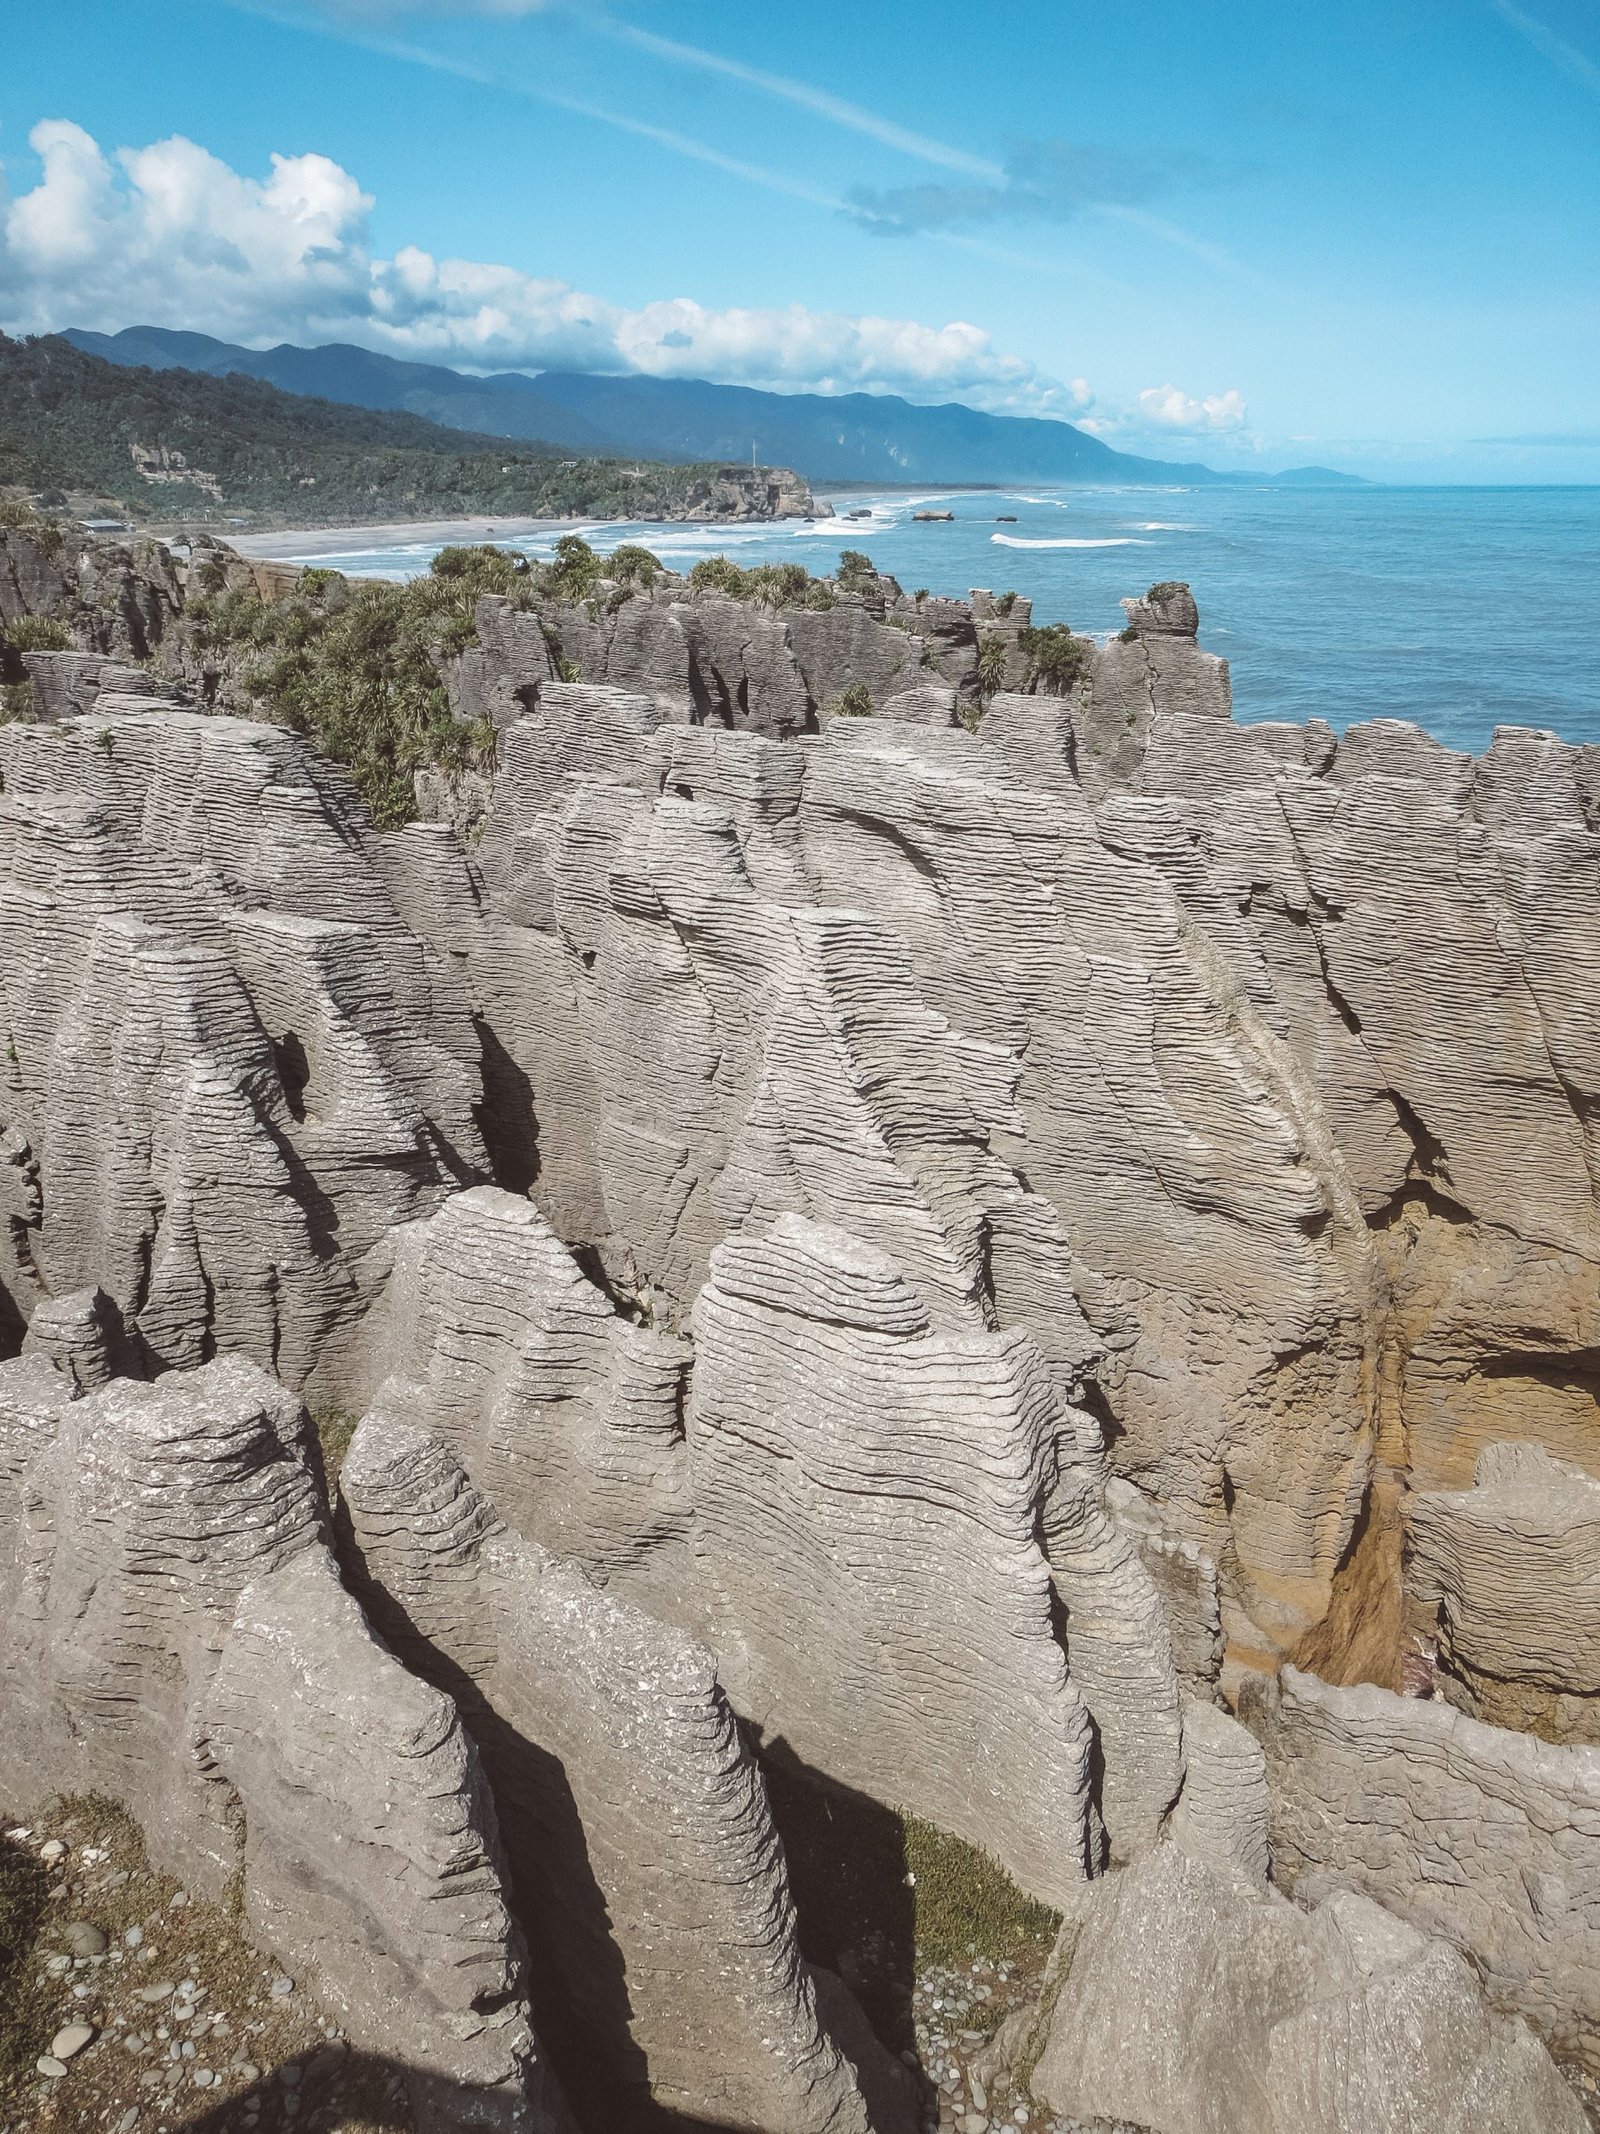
(857, 1396)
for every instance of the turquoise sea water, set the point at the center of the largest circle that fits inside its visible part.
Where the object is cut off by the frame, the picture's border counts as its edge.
(1463, 609)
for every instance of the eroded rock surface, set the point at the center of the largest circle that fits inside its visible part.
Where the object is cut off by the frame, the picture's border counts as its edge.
(231, 1068)
(1194, 2002)
(390, 1885)
(1508, 1574)
(644, 1853)
(1006, 1230)
(1487, 1838)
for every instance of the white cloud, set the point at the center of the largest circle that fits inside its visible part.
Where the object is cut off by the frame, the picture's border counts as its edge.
(168, 235)
(1165, 407)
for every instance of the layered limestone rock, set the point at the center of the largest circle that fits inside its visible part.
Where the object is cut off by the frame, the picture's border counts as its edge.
(1487, 1838)
(866, 1496)
(117, 598)
(231, 1067)
(173, 1634)
(389, 1888)
(143, 1512)
(1508, 1576)
(1213, 1240)
(67, 685)
(567, 1415)
(1223, 1816)
(645, 1858)
(1194, 2002)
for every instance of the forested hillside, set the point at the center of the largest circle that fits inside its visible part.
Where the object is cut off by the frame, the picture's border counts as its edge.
(164, 445)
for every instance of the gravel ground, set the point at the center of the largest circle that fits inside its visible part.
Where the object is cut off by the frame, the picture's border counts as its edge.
(139, 2009)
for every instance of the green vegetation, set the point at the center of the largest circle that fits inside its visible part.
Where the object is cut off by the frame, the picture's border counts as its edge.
(1168, 589)
(967, 1905)
(880, 1896)
(28, 633)
(335, 1427)
(632, 565)
(26, 2016)
(1004, 602)
(35, 633)
(355, 667)
(176, 445)
(991, 665)
(773, 585)
(855, 573)
(853, 703)
(1056, 658)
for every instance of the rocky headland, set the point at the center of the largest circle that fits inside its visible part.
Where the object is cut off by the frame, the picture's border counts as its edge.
(875, 1228)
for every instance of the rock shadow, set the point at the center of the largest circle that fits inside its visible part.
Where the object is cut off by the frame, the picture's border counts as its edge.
(848, 1873)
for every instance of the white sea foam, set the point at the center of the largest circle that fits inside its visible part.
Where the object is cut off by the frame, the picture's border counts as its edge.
(1164, 526)
(1110, 541)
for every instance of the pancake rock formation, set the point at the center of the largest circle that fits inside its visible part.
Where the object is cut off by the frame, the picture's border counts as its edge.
(905, 1216)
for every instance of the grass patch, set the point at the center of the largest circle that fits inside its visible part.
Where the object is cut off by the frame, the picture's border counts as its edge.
(184, 1936)
(852, 703)
(26, 2006)
(880, 1897)
(966, 1904)
(335, 1427)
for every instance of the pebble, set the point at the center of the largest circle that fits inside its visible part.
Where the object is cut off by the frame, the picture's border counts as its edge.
(281, 1987)
(86, 1939)
(289, 2074)
(129, 2120)
(203, 2078)
(248, 2071)
(59, 1966)
(134, 1937)
(47, 2065)
(52, 1850)
(72, 2039)
(178, 1900)
(150, 1995)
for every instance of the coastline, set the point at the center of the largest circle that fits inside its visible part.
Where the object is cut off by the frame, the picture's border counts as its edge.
(397, 534)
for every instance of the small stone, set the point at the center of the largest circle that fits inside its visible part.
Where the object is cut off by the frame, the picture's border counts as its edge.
(152, 1995)
(289, 2074)
(203, 2078)
(129, 2120)
(980, 2096)
(71, 2039)
(47, 2064)
(86, 1939)
(59, 1966)
(134, 1937)
(178, 1900)
(52, 1850)
(248, 2072)
(281, 1987)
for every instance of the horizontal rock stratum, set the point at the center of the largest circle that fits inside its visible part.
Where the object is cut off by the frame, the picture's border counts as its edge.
(921, 1257)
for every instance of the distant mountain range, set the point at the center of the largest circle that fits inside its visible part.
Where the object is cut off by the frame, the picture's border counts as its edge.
(855, 437)
(167, 445)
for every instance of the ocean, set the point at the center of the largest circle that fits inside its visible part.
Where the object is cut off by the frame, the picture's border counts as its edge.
(1461, 609)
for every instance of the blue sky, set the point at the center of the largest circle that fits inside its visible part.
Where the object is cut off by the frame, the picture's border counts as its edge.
(1256, 234)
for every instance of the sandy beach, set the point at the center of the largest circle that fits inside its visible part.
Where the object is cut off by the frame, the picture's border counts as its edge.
(313, 541)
